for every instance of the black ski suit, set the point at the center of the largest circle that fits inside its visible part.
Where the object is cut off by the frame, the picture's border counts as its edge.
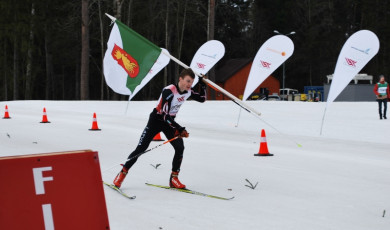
(162, 119)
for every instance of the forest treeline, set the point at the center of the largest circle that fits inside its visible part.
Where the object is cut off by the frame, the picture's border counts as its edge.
(53, 50)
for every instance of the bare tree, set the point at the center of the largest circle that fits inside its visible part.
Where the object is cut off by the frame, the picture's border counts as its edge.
(166, 41)
(101, 50)
(29, 75)
(49, 89)
(129, 7)
(118, 8)
(5, 72)
(16, 68)
(84, 76)
(210, 36)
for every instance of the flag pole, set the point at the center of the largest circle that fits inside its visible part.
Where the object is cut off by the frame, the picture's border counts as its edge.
(217, 87)
(111, 17)
(128, 102)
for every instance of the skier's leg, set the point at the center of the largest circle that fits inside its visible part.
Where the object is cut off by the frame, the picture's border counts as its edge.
(384, 108)
(178, 145)
(151, 129)
(380, 108)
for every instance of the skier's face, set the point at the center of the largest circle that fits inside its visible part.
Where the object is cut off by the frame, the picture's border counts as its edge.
(185, 83)
(382, 79)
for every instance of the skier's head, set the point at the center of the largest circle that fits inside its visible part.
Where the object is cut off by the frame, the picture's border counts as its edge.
(381, 78)
(186, 78)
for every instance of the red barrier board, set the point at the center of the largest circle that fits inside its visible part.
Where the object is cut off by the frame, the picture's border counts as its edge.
(52, 191)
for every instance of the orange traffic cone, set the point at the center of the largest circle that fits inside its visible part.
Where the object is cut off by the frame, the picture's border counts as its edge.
(44, 117)
(263, 151)
(6, 114)
(157, 137)
(94, 124)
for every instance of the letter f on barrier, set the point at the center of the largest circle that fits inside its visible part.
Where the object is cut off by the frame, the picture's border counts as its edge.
(39, 179)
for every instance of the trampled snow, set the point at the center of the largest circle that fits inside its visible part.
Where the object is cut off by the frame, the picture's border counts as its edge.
(340, 180)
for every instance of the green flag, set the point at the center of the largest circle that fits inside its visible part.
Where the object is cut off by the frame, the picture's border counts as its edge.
(130, 60)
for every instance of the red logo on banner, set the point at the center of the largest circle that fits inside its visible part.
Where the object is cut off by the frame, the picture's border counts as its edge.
(128, 63)
(200, 65)
(351, 62)
(265, 64)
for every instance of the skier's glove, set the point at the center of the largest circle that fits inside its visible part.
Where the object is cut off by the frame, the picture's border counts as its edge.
(182, 132)
(201, 82)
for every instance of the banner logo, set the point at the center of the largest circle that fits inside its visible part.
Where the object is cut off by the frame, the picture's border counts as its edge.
(200, 65)
(128, 63)
(363, 51)
(351, 62)
(210, 56)
(276, 51)
(265, 64)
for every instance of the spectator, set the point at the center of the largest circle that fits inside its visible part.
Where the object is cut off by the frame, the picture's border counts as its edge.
(381, 91)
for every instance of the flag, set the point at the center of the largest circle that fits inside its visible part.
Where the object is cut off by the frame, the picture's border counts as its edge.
(274, 52)
(131, 60)
(357, 51)
(206, 57)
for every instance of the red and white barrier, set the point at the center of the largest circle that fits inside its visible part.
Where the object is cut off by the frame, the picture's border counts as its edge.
(52, 191)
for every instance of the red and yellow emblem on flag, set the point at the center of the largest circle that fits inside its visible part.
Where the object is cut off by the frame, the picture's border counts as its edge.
(128, 63)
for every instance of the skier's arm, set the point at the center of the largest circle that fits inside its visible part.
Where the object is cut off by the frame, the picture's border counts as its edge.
(167, 97)
(376, 90)
(388, 91)
(201, 95)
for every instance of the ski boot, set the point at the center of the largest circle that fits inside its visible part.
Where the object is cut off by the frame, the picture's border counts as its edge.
(120, 177)
(174, 181)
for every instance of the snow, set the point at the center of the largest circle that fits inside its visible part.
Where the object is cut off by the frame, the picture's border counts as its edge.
(339, 180)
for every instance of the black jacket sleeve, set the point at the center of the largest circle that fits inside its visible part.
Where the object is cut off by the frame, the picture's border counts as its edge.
(199, 95)
(166, 98)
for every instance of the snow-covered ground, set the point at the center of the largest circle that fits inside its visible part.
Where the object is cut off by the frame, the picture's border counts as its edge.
(340, 180)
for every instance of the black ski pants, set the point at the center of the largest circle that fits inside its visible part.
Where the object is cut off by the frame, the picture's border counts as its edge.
(384, 101)
(154, 126)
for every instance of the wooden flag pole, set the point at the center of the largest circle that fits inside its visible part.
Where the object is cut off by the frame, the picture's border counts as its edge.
(217, 87)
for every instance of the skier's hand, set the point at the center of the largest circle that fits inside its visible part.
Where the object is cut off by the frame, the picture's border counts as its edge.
(201, 82)
(181, 132)
(184, 133)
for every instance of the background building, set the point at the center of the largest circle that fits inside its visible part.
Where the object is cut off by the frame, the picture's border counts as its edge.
(233, 75)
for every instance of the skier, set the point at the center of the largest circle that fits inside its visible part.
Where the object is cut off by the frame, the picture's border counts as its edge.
(381, 91)
(162, 119)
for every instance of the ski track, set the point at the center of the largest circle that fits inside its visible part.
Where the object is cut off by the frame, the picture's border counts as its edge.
(336, 181)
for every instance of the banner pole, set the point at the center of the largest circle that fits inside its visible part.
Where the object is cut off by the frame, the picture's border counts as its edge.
(323, 119)
(238, 119)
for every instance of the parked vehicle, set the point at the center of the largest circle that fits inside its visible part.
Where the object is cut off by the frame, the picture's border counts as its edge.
(272, 98)
(283, 93)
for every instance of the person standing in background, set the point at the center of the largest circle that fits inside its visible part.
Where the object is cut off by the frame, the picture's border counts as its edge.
(382, 93)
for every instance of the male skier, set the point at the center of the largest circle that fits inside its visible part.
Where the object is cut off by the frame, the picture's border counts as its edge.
(162, 119)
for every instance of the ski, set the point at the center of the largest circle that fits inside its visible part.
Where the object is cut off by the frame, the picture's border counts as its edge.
(119, 191)
(189, 191)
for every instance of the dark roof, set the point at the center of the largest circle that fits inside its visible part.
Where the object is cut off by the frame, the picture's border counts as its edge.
(229, 68)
